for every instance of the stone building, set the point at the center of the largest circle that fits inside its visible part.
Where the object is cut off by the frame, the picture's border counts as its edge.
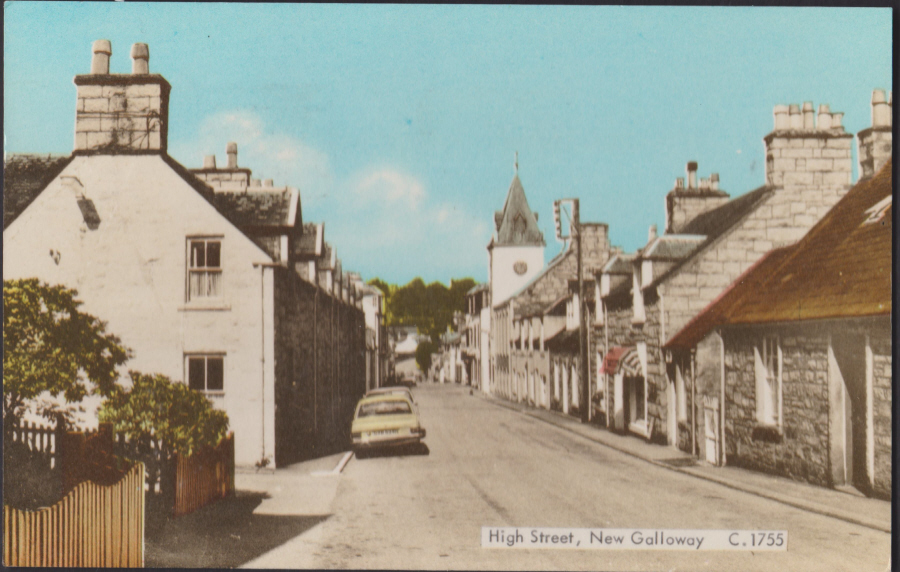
(534, 314)
(476, 341)
(709, 241)
(806, 339)
(193, 270)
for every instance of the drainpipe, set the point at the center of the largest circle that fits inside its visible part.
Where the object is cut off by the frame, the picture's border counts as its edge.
(693, 404)
(262, 353)
(722, 397)
(606, 351)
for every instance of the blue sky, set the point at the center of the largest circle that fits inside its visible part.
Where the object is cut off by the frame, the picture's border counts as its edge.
(399, 124)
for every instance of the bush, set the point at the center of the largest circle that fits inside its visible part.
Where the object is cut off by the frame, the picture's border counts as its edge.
(156, 406)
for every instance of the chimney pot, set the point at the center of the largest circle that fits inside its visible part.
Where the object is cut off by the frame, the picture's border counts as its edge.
(692, 174)
(823, 122)
(714, 181)
(782, 120)
(140, 59)
(268, 183)
(881, 111)
(836, 118)
(679, 183)
(704, 183)
(809, 121)
(796, 119)
(254, 182)
(101, 49)
(209, 162)
(231, 150)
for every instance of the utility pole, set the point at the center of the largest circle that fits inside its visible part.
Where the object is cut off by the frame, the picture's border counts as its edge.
(559, 208)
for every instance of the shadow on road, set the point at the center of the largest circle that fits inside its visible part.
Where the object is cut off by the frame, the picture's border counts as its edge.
(401, 451)
(223, 535)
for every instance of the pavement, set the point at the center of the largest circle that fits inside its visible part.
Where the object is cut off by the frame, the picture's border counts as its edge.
(852, 508)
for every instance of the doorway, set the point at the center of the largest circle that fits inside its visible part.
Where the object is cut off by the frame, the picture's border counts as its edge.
(847, 405)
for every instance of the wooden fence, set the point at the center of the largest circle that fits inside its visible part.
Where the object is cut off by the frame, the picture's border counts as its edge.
(204, 477)
(38, 440)
(92, 526)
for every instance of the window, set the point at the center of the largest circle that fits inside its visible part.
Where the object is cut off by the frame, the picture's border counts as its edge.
(768, 381)
(204, 268)
(206, 373)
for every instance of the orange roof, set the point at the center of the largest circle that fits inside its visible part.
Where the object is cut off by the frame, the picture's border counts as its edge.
(840, 269)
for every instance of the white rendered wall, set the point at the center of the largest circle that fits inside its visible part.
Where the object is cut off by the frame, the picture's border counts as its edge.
(504, 279)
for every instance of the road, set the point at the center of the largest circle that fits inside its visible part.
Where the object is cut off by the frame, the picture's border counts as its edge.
(489, 466)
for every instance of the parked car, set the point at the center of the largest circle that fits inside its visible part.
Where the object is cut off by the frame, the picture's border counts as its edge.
(385, 420)
(396, 390)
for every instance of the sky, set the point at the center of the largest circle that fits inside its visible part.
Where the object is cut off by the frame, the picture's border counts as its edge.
(400, 124)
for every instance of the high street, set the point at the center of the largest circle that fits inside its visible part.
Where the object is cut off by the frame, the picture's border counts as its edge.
(489, 466)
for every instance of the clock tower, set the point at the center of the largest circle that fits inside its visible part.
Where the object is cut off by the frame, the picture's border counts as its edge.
(516, 251)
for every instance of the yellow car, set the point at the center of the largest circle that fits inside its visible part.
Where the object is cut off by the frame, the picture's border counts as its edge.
(385, 420)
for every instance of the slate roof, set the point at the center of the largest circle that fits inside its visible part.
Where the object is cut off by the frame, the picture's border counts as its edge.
(256, 209)
(478, 288)
(307, 245)
(672, 247)
(24, 177)
(840, 269)
(714, 223)
(516, 223)
(620, 264)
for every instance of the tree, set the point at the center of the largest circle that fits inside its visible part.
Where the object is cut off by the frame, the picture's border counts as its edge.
(172, 412)
(423, 355)
(49, 345)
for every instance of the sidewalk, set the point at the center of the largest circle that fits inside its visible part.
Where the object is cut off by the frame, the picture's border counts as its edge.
(868, 512)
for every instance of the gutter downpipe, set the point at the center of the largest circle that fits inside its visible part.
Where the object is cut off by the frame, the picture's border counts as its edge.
(693, 402)
(606, 351)
(262, 353)
(722, 398)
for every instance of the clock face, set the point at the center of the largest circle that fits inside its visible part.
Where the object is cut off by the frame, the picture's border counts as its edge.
(520, 267)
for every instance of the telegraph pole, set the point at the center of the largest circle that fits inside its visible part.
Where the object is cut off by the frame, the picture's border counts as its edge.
(582, 325)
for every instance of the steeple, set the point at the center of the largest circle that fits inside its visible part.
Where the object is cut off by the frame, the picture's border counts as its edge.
(516, 223)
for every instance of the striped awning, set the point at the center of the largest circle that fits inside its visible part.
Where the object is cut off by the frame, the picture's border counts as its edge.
(624, 359)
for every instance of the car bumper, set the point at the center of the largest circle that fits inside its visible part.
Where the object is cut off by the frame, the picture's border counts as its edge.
(388, 440)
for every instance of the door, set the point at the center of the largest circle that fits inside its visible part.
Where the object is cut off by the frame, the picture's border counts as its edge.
(848, 388)
(711, 430)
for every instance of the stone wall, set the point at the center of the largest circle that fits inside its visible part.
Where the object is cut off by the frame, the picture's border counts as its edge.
(319, 370)
(882, 412)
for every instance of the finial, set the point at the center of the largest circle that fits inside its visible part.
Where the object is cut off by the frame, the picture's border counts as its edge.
(517, 162)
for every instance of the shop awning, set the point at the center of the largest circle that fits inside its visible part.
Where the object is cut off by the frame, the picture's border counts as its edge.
(622, 358)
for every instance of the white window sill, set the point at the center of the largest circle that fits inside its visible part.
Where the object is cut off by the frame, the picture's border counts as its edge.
(205, 306)
(640, 428)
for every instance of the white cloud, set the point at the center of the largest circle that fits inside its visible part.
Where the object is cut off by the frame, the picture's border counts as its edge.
(382, 220)
(270, 155)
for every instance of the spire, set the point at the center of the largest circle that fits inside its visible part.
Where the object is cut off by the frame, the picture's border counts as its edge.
(516, 223)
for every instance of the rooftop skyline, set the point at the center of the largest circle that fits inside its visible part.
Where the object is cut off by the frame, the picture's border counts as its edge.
(400, 124)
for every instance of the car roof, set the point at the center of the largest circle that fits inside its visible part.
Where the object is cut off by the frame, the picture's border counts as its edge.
(385, 397)
(387, 390)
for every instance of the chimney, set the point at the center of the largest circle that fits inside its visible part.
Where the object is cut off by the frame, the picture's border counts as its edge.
(268, 183)
(809, 121)
(118, 113)
(692, 175)
(254, 182)
(875, 144)
(651, 235)
(794, 117)
(140, 59)
(684, 204)
(102, 49)
(231, 150)
(782, 119)
(209, 162)
(823, 122)
(810, 153)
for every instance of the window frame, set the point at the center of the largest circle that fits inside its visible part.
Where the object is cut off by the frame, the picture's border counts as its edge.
(768, 366)
(206, 356)
(191, 270)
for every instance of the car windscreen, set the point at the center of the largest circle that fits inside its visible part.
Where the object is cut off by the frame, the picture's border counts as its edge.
(371, 408)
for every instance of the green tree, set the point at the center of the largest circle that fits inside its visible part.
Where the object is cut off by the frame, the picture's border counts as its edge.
(155, 405)
(423, 355)
(49, 345)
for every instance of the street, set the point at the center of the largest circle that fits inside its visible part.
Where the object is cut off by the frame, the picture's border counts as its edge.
(488, 466)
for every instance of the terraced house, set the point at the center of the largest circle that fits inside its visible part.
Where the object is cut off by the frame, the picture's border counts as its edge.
(670, 394)
(196, 271)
